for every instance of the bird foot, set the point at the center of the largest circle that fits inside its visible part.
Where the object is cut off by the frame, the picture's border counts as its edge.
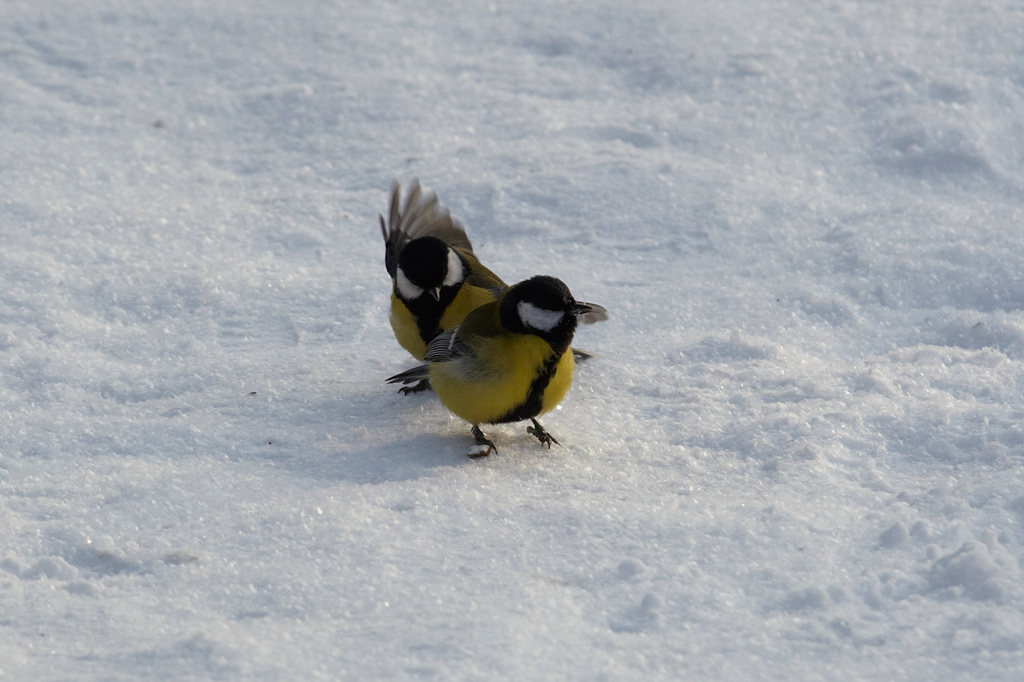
(543, 436)
(483, 447)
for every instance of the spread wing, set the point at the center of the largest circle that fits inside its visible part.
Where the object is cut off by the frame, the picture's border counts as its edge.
(481, 277)
(422, 216)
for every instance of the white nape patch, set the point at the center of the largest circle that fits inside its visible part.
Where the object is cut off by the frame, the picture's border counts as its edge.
(538, 318)
(455, 274)
(407, 289)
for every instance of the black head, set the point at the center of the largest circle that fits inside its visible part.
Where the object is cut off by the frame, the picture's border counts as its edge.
(426, 266)
(542, 306)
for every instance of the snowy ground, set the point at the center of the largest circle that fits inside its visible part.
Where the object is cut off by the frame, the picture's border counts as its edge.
(799, 456)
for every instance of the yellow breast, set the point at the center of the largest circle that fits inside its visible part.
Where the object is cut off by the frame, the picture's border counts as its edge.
(403, 323)
(485, 388)
(466, 301)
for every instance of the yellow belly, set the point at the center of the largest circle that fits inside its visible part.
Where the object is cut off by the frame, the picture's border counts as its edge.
(485, 388)
(407, 332)
(466, 301)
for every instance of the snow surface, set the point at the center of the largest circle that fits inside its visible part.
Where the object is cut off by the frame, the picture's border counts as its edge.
(799, 455)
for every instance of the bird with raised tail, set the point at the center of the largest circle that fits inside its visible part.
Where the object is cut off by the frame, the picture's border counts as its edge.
(436, 278)
(509, 360)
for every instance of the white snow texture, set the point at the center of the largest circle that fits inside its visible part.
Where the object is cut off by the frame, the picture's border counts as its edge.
(798, 454)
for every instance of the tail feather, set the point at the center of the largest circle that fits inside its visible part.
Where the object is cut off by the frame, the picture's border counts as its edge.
(409, 376)
(581, 355)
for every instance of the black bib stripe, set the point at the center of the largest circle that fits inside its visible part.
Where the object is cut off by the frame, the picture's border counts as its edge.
(531, 405)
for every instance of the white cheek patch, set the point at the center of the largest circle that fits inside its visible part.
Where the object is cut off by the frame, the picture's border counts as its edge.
(407, 289)
(454, 275)
(538, 318)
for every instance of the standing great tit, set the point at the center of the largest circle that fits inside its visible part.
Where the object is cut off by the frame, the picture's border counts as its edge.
(436, 279)
(509, 360)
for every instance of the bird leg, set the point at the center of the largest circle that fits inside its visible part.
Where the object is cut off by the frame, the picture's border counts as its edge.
(483, 446)
(543, 436)
(421, 385)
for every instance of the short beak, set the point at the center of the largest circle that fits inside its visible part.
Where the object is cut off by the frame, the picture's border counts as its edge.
(589, 313)
(435, 293)
(578, 308)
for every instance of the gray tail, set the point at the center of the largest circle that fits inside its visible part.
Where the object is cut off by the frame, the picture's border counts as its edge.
(410, 376)
(581, 355)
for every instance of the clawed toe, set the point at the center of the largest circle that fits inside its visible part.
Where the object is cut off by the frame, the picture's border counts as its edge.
(543, 436)
(483, 446)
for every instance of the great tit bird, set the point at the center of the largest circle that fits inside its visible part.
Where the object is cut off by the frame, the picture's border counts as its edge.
(436, 279)
(509, 360)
